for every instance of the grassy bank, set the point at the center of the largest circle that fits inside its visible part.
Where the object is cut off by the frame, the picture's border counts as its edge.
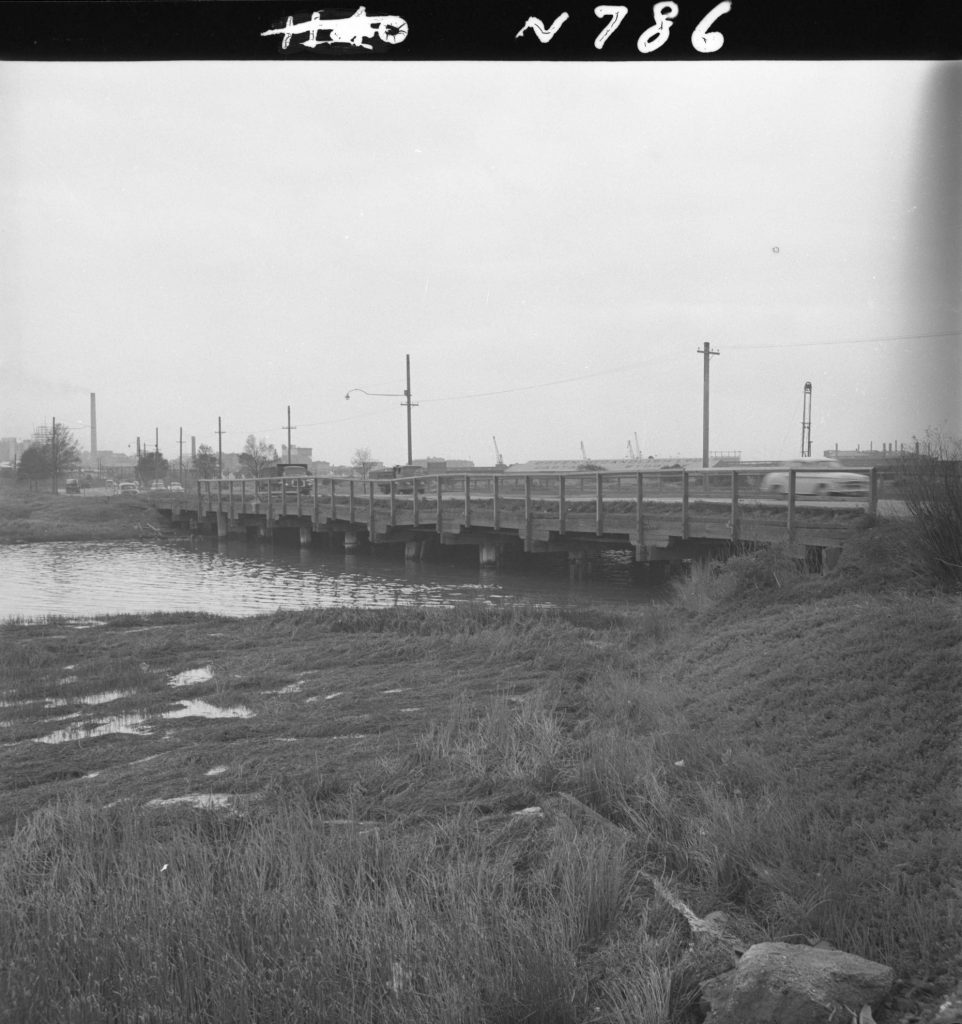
(28, 516)
(479, 814)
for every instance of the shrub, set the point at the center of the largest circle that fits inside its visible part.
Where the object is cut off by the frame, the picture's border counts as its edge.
(932, 484)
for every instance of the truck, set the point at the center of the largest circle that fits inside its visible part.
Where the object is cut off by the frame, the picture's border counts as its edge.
(384, 476)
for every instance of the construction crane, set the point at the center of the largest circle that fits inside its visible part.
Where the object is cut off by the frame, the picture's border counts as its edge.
(631, 451)
(584, 454)
(497, 451)
(807, 420)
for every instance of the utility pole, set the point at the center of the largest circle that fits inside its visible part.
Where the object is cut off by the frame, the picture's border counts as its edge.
(156, 443)
(289, 459)
(220, 450)
(180, 460)
(707, 352)
(408, 403)
(807, 419)
(394, 394)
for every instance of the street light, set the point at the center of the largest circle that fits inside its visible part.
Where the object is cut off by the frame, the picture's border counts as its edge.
(406, 395)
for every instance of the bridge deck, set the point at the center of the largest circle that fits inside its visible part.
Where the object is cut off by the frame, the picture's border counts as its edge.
(655, 512)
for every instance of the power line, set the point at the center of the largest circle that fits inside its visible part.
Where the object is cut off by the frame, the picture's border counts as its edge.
(851, 341)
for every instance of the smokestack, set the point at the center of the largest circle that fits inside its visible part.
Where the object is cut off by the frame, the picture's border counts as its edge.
(93, 424)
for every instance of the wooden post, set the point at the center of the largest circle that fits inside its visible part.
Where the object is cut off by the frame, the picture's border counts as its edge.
(416, 515)
(562, 504)
(527, 511)
(230, 501)
(333, 497)
(496, 516)
(393, 509)
(873, 491)
(314, 501)
(438, 485)
(599, 505)
(639, 517)
(350, 501)
(370, 508)
(684, 504)
(467, 501)
(270, 504)
(790, 523)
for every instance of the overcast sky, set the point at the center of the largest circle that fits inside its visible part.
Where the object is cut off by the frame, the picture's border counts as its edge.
(550, 242)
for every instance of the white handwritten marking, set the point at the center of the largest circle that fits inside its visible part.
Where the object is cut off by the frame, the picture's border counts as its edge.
(352, 31)
(537, 26)
(664, 14)
(616, 14)
(705, 41)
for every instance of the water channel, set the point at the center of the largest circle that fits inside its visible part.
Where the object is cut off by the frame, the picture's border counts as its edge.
(89, 579)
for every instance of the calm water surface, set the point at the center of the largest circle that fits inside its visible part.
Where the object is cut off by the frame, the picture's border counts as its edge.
(91, 579)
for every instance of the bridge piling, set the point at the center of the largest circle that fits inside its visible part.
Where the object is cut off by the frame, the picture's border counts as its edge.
(489, 554)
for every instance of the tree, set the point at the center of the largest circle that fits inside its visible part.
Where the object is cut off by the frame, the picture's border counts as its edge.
(58, 455)
(205, 462)
(151, 466)
(361, 459)
(257, 455)
(35, 465)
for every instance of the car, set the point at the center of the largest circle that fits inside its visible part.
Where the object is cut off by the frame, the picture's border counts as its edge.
(158, 485)
(72, 486)
(128, 488)
(824, 477)
(176, 488)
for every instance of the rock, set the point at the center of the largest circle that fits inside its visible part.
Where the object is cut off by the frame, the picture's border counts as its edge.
(779, 983)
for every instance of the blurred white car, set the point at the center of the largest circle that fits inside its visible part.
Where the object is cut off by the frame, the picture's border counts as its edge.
(128, 488)
(825, 477)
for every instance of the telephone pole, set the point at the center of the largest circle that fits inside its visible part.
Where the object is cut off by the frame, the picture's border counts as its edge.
(408, 403)
(807, 419)
(289, 459)
(707, 352)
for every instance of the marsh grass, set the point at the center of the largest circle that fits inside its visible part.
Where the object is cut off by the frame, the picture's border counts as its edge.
(28, 516)
(461, 816)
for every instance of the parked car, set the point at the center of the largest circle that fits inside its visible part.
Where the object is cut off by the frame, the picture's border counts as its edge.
(176, 488)
(158, 485)
(128, 488)
(824, 477)
(72, 486)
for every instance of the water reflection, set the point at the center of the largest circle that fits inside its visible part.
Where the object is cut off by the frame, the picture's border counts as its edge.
(90, 579)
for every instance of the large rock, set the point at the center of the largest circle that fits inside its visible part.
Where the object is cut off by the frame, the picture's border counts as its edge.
(778, 983)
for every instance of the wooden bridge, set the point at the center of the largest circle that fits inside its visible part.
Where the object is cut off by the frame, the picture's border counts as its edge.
(660, 515)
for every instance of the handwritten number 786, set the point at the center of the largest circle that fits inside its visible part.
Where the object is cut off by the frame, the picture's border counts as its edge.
(664, 13)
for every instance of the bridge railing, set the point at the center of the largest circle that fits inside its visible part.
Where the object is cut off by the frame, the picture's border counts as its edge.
(565, 498)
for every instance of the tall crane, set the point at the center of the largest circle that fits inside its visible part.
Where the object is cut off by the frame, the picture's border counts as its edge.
(807, 420)
(497, 451)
